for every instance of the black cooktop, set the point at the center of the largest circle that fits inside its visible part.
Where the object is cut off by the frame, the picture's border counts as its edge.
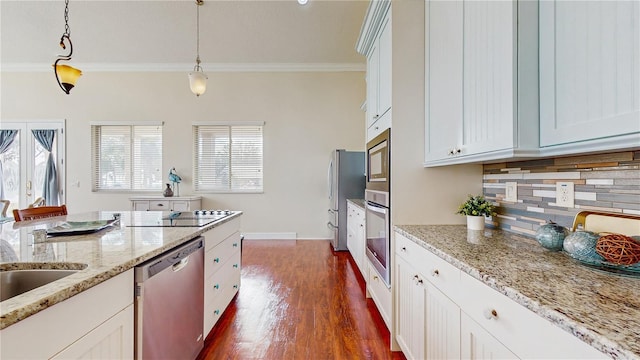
(196, 218)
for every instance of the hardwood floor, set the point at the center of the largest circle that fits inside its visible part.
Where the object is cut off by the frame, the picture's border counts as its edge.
(299, 300)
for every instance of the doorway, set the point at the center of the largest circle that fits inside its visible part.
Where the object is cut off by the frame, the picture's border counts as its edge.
(32, 154)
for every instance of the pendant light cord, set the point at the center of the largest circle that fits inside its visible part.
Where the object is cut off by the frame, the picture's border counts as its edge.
(198, 3)
(67, 30)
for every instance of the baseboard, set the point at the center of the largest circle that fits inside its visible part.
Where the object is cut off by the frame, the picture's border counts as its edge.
(279, 236)
(270, 236)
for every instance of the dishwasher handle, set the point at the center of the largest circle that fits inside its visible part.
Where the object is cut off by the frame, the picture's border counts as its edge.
(180, 264)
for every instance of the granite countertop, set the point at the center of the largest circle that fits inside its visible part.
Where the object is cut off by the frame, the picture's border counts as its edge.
(99, 256)
(600, 308)
(357, 202)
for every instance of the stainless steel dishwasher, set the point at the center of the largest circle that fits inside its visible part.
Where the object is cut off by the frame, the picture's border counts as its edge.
(169, 304)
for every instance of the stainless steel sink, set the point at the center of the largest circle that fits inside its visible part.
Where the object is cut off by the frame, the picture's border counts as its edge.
(16, 282)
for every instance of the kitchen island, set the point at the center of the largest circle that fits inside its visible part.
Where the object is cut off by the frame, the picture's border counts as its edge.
(98, 256)
(600, 309)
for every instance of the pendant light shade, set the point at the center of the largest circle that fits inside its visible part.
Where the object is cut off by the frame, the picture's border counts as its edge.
(198, 82)
(67, 76)
(197, 78)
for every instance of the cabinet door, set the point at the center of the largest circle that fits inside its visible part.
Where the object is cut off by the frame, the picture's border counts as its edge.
(111, 340)
(477, 343)
(384, 68)
(589, 70)
(488, 76)
(411, 311)
(442, 333)
(444, 35)
(372, 84)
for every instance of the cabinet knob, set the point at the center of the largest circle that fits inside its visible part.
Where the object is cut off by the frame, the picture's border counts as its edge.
(375, 277)
(160, 204)
(404, 248)
(435, 273)
(490, 314)
(217, 312)
(216, 286)
(216, 260)
(416, 277)
(420, 282)
(235, 266)
(235, 286)
(235, 244)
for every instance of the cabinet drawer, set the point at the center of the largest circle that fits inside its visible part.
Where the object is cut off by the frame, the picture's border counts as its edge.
(216, 281)
(437, 271)
(515, 326)
(214, 307)
(180, 206)
(221, 233)
(380, 125)
(221, 254)
(162, 205)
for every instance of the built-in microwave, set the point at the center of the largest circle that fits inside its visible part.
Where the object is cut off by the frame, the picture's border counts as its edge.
(378, 154)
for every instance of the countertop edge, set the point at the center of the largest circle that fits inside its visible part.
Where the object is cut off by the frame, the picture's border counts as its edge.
(22, 312)
(604, 345)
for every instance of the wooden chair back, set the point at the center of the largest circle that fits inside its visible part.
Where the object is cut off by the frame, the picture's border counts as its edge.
(39, 212)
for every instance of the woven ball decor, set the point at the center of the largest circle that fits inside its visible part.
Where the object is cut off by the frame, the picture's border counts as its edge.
(618, 249)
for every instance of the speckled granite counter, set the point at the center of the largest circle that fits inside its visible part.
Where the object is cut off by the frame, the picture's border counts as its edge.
(100, 255)
(357, 202)
(601, 309)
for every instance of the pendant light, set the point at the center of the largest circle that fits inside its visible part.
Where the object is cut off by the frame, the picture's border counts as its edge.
(197, 78)
(66, 75)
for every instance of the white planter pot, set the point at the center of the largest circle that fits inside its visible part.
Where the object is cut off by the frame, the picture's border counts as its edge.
(475, 222)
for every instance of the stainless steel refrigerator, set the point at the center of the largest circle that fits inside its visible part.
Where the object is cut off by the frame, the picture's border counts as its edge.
(346, 180)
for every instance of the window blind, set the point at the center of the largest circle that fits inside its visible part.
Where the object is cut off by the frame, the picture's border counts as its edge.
(228, 158)
(126, 157)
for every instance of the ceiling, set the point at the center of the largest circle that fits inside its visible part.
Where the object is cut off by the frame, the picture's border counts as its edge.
(156, 35)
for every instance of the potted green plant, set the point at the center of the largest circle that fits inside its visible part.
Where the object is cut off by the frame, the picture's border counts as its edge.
(476, 208)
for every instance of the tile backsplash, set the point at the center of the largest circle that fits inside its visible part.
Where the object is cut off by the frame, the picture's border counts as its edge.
(602, 182)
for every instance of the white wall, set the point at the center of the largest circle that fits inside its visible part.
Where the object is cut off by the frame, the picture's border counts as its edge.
(306, 115)
(419, 195)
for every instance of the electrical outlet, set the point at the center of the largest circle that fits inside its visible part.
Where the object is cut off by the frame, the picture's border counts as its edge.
(511, 192)
(564, 194)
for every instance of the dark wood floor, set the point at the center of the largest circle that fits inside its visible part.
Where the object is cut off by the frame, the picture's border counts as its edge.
(299, 300)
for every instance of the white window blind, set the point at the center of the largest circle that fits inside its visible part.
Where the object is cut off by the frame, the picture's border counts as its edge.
(228, 158)
(126, 157)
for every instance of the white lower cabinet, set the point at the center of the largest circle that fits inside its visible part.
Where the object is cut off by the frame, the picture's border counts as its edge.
(378, 291)
(444, 313)
(95, 324)
(222, 264)
(478, 343)
(356, 235)
(428, 322)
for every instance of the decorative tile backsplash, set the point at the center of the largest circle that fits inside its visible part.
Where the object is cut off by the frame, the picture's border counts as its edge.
(602, 182)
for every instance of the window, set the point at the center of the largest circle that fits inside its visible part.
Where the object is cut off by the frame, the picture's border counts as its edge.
(228, 158)
(126, 157)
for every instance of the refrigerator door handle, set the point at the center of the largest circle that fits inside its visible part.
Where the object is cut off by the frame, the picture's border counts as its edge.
(329, 179)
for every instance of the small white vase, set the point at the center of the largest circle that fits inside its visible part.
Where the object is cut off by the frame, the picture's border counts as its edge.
(475, 222)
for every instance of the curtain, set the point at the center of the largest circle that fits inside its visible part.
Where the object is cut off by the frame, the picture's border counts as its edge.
(50, 186)
(6, 138)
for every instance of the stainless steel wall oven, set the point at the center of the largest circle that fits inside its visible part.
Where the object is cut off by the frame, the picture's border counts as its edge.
(377, 198)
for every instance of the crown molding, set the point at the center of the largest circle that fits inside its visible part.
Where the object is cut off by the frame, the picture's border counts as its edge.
(186, 67)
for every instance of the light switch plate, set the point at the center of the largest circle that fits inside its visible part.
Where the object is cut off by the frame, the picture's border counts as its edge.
(511, 192)
(564, 194)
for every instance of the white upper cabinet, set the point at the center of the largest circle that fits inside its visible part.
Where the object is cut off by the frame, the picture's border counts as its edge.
(375, 43)
(589, 75)
(481, 85)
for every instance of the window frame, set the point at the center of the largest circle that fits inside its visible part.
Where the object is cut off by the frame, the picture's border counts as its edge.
(95, 175)
(230, 125)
